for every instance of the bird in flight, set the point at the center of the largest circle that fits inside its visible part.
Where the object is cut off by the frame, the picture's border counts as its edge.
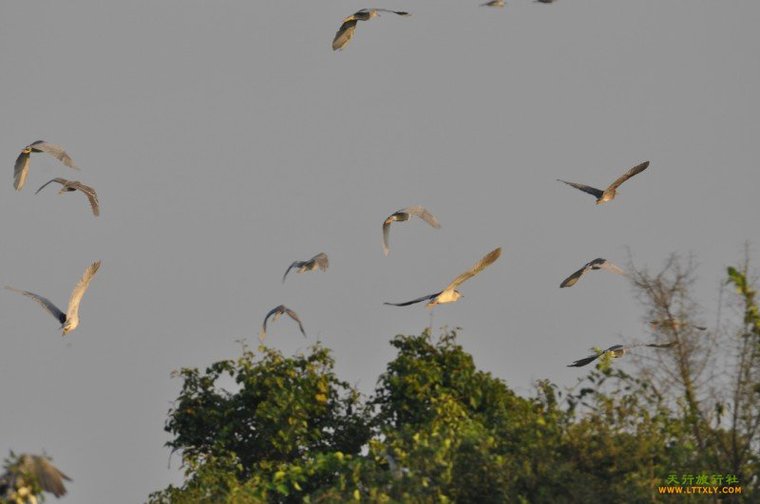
(75, 185)
(602, 196)
(596, 264)
(21, 170)
(450, 293)
(493, 3)
(404, 215)
(275, 314)
(617, 351)
(69, 320)
(348, 27)
(319, 261)
(26, 471)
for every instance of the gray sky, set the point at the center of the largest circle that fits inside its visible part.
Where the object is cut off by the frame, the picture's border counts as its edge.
(226, 139)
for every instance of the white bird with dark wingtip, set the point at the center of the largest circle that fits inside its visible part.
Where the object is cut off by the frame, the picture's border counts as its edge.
(21, 169)
(27, 471)
(596, 264)
(404, 215)
(319, 261)
(602, 196)
(348, 26)
(275, 314)
(450, 293)
(69, 320)
(75, 185)
(617, 351)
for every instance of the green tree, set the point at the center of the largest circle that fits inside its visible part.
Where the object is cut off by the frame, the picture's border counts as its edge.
(242, 445)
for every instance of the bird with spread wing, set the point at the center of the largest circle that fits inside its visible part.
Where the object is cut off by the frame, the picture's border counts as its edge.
(450, 293)
(75, 185)
(348, 27)
(69, 320)
(21, 169)
(25, 472)
(319, 261)
(617, 351)
(603, 196)
(275, 314)
(596, 264)
(404, 215)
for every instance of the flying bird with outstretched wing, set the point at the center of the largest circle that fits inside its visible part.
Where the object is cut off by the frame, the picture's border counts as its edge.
(493, 3)
(348, 27)
(450, 293)
(404, 215)
(21, 168)
(602, 196)
(26, 471)
(596, 264)
(275, 314)
(617, 351)
(69, 320)
(319, 261)
(75, 185)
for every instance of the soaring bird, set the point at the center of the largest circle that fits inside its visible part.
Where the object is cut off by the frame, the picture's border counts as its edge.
(21, 170)
(319, 261)
(617, 351)
(25, 472)
(493, 3)
(275, 313)
(450, 293)
(596, 264)
(609, 193)
(75, 185)
(404, 215)
(348, 27)
(69, 320)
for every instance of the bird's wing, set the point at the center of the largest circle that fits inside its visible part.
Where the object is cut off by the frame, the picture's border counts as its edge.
(630, 173)
(322, 261)
(386, 235)
(414, 301)
(81, 287)
(294, 264)
(611, 267)
(58, 180)
(486, 261)
(57, 152)
(47, 476)
(584, 361)
(294, 316)
(423, 214)
(400, 13)
(263, 331)
(591, 190)
(21, 170)
(344, 34)
(44, 302)
(92, 196)
(573, 279)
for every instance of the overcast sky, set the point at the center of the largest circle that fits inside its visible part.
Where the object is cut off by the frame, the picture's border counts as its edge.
(226, 139)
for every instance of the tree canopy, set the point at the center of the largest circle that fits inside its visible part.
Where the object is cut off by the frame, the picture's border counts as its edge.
(276, 429)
